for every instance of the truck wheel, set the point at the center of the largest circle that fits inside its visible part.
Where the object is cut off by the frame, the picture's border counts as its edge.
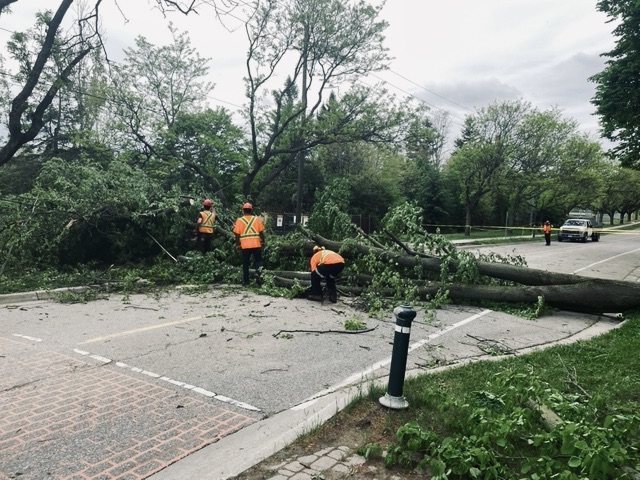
(559, 239)
(595, 237)
(584, 238)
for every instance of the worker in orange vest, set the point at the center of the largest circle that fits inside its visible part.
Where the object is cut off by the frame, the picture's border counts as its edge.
(204, 226)
(546, 229)
(249, 236)
(328, 265)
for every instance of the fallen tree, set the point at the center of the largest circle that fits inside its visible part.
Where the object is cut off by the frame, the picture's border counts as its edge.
(563, 291)
(496, 282)
(587, 297)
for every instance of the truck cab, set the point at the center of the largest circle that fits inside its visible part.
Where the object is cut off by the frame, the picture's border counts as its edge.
(579, 230)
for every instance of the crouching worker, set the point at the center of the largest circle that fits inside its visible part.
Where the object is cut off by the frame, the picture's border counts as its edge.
(328, 265)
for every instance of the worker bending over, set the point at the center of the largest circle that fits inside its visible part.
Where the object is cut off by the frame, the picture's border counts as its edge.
(328, 265)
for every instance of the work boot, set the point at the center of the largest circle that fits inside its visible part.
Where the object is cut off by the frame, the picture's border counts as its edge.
(314, 297)
(333, 298)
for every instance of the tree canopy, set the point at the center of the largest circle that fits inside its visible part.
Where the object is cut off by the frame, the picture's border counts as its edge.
(617, 97)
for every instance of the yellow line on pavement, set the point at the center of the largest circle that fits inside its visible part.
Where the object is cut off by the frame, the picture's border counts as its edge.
(154, 327)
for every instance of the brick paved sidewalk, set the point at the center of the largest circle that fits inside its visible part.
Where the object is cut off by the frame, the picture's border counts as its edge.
(63, 418)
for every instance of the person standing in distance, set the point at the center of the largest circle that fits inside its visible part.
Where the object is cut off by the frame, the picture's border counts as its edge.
(325, 264)
(546, 229)
(204, 226)
(249, 236)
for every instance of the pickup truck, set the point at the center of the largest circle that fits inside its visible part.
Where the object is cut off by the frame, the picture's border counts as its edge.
(578, 229)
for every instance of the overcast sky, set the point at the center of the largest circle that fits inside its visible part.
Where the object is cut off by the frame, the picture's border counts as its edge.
(455, 55)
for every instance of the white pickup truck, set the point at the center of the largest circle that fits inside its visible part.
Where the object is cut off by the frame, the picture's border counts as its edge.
(578, 229)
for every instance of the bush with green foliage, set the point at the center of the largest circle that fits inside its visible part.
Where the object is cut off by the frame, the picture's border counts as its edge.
(80, 212)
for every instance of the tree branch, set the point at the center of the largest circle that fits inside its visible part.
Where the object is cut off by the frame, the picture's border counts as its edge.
(351, 332)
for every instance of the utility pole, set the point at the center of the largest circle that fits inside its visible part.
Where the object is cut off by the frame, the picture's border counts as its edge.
(303, 153)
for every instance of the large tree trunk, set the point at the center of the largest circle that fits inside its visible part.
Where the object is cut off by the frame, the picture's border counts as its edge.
(587, 297)
(513, 273)
(564, 291)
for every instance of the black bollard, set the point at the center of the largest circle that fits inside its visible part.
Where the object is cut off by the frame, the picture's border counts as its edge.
(393, 398)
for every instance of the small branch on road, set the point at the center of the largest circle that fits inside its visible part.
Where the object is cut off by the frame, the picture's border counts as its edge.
(492, 347)
(274, 370)
(326, 331)
(255, 315)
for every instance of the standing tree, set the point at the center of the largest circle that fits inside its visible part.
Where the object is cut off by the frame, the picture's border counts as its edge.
(152, 87)
(543, 137)
(629, 185)
(577, 177)
(317, 45)
(30, 105)
(423, 180)
(488, 144)
(204, 154)
(70, 118)
(617, 97)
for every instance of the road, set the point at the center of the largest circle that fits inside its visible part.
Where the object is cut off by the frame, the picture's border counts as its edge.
(616, 256)
(125, 386)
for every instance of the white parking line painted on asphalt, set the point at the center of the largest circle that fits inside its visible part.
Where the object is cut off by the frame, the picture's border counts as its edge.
(27, 337)
(448, 329)
(100, 358)
(160, 325)
(364, 374)
(186, 386)
(606, 260)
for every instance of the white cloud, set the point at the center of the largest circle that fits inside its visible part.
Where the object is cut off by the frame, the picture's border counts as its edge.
(476, 52)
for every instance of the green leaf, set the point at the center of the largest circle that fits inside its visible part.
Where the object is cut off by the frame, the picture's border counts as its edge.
(575, 462)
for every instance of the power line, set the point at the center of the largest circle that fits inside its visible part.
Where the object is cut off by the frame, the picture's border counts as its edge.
(418, 99)
(430, 91)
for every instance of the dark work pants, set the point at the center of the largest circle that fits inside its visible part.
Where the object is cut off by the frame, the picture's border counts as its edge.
(329, 273)
(547, 238)
(247, 253)
(203, 241)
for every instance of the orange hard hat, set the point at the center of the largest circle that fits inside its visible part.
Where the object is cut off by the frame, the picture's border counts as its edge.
(247, 205)
(207, 203)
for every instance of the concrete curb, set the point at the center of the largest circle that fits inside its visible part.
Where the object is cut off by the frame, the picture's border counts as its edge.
(236, 453)
(9, 298)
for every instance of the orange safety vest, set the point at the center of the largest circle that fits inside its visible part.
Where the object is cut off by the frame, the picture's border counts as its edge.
(327, 257)
(546, 229)
(206, 225)
(248, 227)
